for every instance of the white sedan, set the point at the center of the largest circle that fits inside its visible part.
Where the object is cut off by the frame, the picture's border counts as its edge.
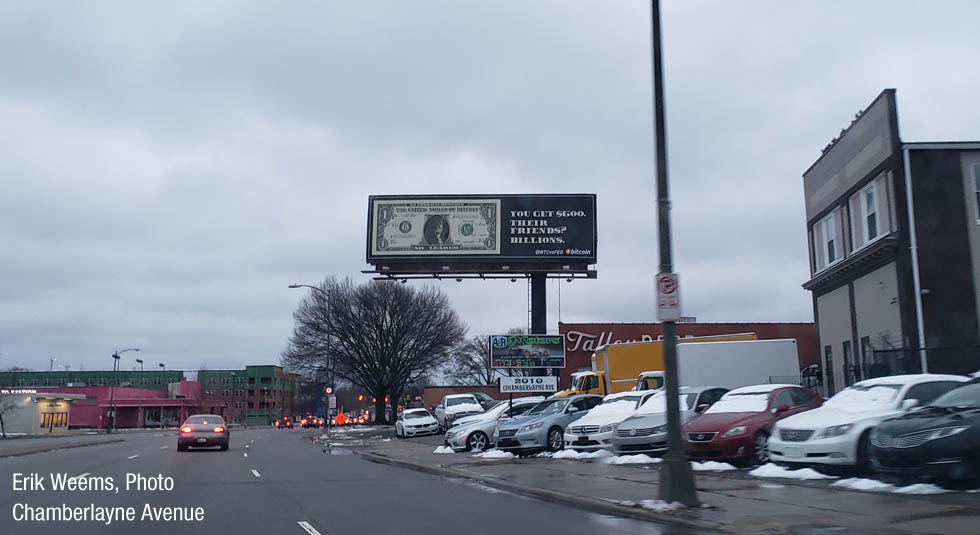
(595, 430)
(838, 433)
(415, 422)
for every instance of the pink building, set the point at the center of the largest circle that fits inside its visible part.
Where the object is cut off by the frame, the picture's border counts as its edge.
(135, 407)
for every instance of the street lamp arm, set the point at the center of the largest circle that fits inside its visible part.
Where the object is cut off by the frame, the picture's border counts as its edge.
(321, 290)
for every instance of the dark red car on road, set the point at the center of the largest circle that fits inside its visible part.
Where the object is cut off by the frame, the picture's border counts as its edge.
(738, 426)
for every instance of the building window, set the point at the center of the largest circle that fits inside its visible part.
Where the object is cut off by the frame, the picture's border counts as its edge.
(240, 380)
(251, 405)
(225, 392)
(102, 381)
(20, 382)
(976, 187)
(867, 355)
(238, 404)
(143, 381)
(829, 369)
(251, 380)
(226, 380)
(826, 236)
(61, 382)
(211, 380)
(266, 380)
(47, 382)
(869, 209)
(849, 368)
(156, 380)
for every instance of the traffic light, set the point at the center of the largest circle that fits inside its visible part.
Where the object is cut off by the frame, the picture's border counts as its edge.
(386, 399)
(374, 400)
(360, 397)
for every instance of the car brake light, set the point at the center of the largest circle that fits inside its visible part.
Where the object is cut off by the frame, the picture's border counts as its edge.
(185, 429)
(219, 429)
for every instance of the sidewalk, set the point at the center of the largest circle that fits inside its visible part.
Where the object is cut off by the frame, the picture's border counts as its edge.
(731, 504)
(12, 447)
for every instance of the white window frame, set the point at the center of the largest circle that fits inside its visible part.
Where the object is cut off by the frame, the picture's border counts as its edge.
(976, 188)
(827, 227)
(864, 213)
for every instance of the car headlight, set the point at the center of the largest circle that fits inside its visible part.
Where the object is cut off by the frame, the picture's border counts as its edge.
(836, 431)
(530, 427)
(608, 428)
(660, 429)
(735, 431)
(459, 433)
(944, 432)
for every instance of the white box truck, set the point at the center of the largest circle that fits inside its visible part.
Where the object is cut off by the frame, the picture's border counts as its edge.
(737, 364)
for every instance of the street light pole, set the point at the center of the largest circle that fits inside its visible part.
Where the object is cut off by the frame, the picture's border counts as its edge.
(140, 362)
(112, 388)
(330, 362)
(676, 476)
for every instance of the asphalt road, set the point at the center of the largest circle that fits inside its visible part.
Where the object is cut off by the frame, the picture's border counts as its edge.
(278, 481)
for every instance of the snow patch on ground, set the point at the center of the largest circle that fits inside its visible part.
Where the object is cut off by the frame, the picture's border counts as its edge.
(873, 485)
(921, 488)
(631, 459)
(495, 454)
(443, 449)
(771, 486)
(861, 483)
(661, 506)
(580, 455)
(711, 466)
(773, 470)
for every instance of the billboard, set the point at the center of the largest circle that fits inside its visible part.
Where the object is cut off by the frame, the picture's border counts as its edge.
(527, 351)
(482, 228)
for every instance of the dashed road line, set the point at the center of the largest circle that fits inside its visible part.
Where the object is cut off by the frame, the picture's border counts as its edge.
(308, 528)
(245, 454)
(164, 447)
(256, 473)
(133, 456)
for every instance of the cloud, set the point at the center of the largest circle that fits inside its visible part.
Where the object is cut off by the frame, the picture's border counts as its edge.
(169, 170)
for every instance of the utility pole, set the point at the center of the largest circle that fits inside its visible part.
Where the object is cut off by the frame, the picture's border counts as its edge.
(676, 476)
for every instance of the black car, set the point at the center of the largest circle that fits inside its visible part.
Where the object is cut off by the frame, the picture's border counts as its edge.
(938, 440)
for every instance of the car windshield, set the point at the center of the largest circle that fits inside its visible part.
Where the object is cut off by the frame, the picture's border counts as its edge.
(967, 396)
(860, 398)
(741, 402)
(416, 415)
(460, 401)
(551, 406)
(609, 406)
(658, 403)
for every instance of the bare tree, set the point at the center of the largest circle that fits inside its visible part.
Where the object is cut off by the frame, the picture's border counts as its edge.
(8, 402)
(382, 335)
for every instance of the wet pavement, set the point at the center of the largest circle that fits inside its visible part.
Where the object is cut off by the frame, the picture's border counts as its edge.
(735, 502)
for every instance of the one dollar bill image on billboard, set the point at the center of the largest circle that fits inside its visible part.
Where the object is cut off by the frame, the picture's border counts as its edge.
(527, 351)
(435, 227)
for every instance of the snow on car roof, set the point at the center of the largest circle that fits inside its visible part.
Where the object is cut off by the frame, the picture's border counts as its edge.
(454, 396)
(910, 378)
(415, 410)
(760, 388)
(628, 393)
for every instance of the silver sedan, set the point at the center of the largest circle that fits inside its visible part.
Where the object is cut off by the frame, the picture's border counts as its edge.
(646, 430)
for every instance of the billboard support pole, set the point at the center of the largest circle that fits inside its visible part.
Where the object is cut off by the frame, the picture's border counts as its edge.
(539, 308)
(676, 476)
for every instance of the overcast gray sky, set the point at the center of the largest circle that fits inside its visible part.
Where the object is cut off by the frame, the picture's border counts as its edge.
(169, 168)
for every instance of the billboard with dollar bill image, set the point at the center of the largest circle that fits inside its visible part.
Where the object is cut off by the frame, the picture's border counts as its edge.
(482, 228)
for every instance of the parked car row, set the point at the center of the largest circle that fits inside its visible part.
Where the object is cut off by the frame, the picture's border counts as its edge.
(925, 424)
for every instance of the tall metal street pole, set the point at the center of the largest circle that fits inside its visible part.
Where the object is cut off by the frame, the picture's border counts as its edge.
(676, 476)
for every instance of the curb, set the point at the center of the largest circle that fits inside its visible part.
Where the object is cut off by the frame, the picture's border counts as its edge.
(28, 451)
(580, 502)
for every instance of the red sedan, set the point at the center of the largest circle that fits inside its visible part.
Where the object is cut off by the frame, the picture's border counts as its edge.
(738, 426)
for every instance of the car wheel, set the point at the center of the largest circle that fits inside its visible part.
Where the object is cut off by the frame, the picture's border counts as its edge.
(181, 447)
(556, 439)
(760, 448)
(224, 447)
(478, 441)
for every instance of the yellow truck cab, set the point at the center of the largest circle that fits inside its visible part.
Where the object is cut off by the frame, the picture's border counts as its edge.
(620, 367)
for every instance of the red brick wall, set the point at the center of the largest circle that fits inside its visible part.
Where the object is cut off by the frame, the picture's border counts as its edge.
(581, 339)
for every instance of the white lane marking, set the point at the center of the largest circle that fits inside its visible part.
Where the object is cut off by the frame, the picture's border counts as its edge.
(256, 473)
(133, 456)
(251, 441)
(245, 454)
(164, 447)
(246, 445)
(308, 528)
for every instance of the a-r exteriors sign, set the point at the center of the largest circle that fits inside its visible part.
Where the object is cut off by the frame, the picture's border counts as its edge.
(560, 229)
(527, 351)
